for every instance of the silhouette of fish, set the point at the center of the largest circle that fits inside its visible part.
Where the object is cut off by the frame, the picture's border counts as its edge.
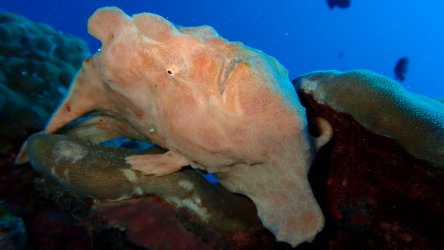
(401, 68)
(338, 3)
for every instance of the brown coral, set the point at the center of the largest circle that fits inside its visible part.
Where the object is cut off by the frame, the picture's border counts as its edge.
(99, 172)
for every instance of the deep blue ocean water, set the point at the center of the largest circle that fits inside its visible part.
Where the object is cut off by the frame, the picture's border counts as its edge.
(304, 35)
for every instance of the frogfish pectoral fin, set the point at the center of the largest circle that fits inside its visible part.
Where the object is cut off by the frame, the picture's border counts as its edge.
(158, 164)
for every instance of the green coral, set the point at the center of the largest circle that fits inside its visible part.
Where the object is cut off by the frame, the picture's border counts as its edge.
(38, 64)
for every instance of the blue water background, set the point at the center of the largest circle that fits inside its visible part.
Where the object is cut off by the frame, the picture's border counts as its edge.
(304, 35)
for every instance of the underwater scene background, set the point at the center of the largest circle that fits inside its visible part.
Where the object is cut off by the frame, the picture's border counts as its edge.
(364, 171)
(304, 35)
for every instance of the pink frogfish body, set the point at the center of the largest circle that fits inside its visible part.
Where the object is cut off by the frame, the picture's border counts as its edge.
(213, 104)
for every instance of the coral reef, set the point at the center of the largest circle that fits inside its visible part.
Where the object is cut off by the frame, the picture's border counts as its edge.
(375, 194)
(38, 64)
(384, 107)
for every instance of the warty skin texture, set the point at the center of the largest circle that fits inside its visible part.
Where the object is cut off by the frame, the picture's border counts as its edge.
(213, 104)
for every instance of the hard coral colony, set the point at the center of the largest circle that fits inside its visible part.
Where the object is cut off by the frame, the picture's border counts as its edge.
(214, 104)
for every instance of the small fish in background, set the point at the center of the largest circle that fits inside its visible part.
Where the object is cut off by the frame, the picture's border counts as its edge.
(338, 3)
(401, 68)
(341, 53)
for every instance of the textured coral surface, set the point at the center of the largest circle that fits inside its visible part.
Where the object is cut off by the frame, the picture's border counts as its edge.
(93, 171)
(383, 106)
(37, 65)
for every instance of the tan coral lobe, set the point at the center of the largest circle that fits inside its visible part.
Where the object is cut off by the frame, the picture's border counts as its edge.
(383, 106)
(212, 103)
